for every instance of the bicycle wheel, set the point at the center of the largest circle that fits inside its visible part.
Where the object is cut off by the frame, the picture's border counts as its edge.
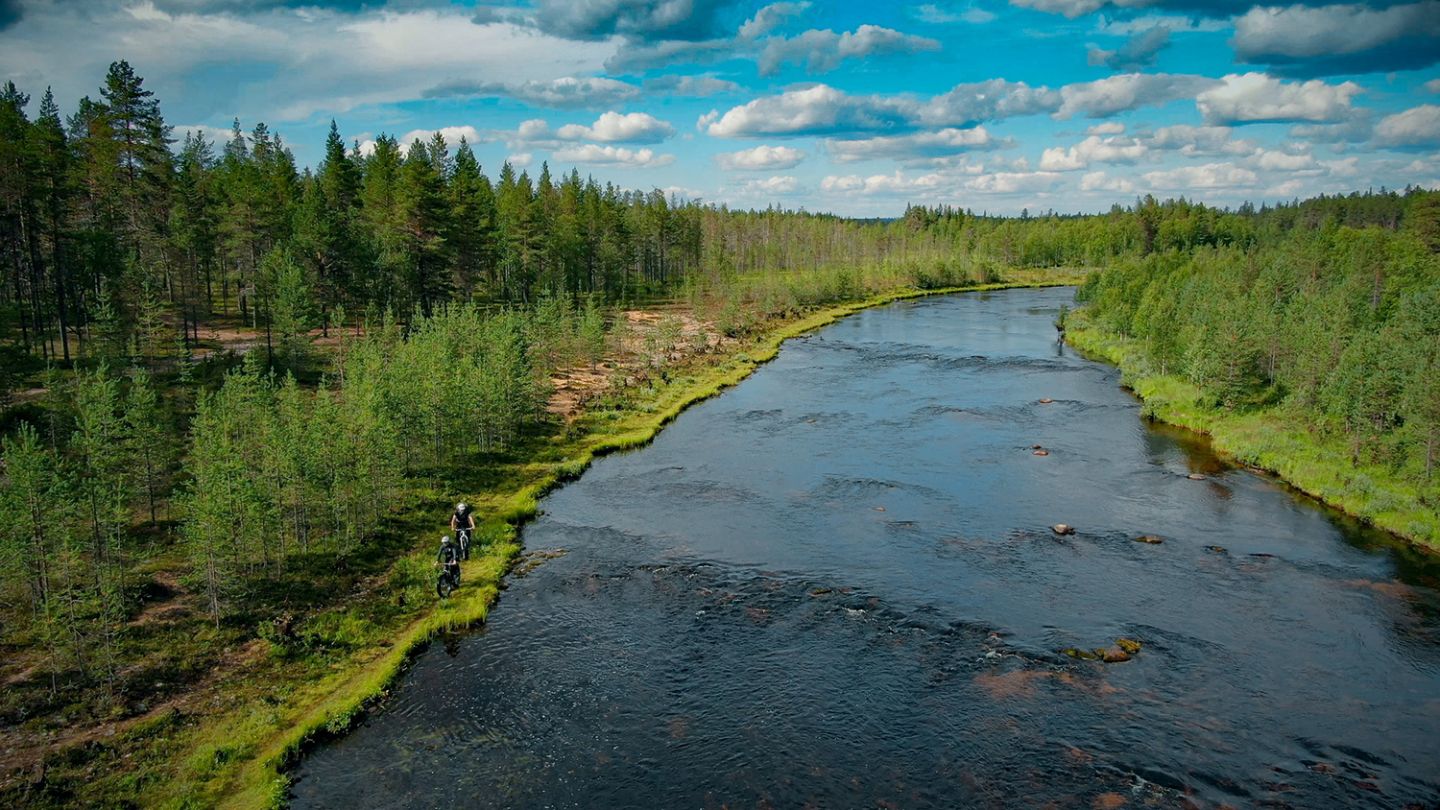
(464, 545)
(444, 586)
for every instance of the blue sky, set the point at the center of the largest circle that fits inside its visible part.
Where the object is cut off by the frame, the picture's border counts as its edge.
(856, 108)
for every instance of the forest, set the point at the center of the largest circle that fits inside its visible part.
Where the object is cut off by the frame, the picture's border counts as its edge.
(412, 313)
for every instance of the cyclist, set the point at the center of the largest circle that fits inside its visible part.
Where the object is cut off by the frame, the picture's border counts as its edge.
(449, 558)
(462, 518)
(462, 522)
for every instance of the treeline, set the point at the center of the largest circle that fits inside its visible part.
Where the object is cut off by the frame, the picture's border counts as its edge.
(1339, 325)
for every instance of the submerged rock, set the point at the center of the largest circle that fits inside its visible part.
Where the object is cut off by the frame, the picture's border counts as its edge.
(1113, 655)
(1217, 549)
(1129, 645)
(1150, 538)
(1195, 477)
(1082, 655)
(1046, 400)
(1040, 452)
(1062, 528)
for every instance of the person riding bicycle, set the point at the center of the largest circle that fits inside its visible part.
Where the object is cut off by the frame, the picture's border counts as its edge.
(449, 558)
(462, 518)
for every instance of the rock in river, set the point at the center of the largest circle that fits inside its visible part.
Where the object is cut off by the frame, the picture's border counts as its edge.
(1062, 528)
(1149, 538)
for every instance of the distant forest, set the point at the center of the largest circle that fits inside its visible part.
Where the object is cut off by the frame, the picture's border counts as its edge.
(117, 239)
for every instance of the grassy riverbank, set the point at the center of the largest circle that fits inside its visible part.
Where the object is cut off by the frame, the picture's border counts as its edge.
(1270, 439)
(228, 741)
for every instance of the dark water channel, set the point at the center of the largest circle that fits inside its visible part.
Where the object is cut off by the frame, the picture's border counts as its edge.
(835, 586)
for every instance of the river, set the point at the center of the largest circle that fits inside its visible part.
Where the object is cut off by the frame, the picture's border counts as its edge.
(836, 585)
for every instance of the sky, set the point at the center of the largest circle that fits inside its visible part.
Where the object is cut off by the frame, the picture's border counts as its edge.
(856, 108)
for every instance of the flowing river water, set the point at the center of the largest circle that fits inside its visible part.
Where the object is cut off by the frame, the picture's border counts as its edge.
(836, 586)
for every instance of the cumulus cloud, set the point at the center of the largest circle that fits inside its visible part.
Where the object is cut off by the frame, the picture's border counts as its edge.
(1100, 181)
(971, 103)
(315, 60)
(591, 154)
(1106, 97)
(813, 110)
(822, 51)
(697, 86)
(1192, 141)
(613, 127)
(452, 136)
(1336, 39)
(564, 92)
(1137, 52)
(1415, 127)
(637, 19)
(931, 13)
(761, 158)
(947, 141)
(769, 18)
(1094, 149)
(1209, 176)
(1256, 97)
(781, 184)
(1014, 182)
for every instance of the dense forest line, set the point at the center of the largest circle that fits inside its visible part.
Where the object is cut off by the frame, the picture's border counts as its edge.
(133, 446)
(118, 239)
(1337, 329)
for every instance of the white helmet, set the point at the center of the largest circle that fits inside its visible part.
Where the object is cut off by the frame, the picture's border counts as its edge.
(460, 507)
(445, 541)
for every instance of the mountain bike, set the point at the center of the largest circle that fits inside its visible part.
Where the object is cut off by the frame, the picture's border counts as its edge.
(448, 581)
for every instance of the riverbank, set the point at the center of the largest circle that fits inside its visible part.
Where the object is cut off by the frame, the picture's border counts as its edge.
(227, 740)
(1269, 440)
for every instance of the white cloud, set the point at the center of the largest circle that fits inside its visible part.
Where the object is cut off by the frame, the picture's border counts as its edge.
(1137, 52)
(613, 127)
(1255, 97)
(1433, 85)
(823, 50)
(697, 86)
(1100, 181)
(1014, 182)
(1210, 176)
(769, 18)
(1107, 128)
(1106, 97)
(1417, 126)
(595, 155)
(817, 109)
(761, 158)
(1340, 38)
(782, 184)
(520, 159)
(1192, 141)
(1094, 149)
(565, 92)
(947, 141)
(1276, 160)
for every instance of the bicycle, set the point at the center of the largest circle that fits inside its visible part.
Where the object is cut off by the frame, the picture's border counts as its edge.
(462, 538)
(448, 581)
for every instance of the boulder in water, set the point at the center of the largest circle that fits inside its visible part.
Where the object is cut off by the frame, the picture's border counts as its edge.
(1046, 400)
(1062, 528)
(1195, 477)
(1040, 452)
(1150, 539)
(1217, 549)
(1113, 655)
(1129, 645)
(1079, 654)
